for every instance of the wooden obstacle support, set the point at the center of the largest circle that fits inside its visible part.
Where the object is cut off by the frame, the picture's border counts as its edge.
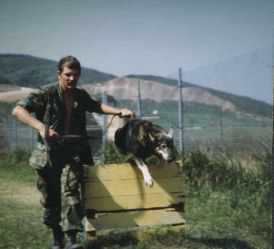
(116, 197)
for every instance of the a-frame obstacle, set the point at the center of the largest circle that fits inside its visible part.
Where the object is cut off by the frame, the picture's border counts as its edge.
(116, 197)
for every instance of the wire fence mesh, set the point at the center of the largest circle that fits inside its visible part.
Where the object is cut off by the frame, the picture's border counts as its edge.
(207, 126)
(14, 135)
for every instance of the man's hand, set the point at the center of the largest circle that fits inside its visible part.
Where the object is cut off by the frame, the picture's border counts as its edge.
(48, 134)
(125, 113)
(24, 116)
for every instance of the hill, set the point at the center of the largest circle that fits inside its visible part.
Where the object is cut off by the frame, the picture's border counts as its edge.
(30, 71)
(162, 90)
(5, 81)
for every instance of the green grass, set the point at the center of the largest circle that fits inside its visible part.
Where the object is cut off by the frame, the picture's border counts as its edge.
(20, 226)
(228, 199)
(227, 206)
(20, 214)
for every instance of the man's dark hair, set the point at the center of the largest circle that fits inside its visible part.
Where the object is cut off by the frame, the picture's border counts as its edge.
(70, 62)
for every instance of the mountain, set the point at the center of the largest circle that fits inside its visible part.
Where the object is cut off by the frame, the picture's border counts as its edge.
(5, 81)
(161, 90)
(30, 71)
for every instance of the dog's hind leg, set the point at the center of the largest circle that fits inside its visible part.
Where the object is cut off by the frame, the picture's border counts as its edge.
(145, 171)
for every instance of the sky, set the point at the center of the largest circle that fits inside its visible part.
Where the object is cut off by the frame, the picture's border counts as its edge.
(139, 37)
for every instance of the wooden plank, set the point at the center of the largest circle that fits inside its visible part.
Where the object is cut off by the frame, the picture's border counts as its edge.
(133, 187)
(120, 198)
(114, 203)
(137, 218)
(129, 171)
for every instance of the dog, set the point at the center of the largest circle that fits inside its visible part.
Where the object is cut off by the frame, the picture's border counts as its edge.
(142, 139)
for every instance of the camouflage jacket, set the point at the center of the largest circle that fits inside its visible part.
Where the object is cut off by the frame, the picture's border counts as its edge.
(47, 105)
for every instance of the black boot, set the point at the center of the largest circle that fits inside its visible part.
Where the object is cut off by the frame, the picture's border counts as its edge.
(58, 238)
(72, 240)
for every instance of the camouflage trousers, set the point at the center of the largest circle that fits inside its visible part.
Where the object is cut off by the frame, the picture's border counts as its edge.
(61, 187)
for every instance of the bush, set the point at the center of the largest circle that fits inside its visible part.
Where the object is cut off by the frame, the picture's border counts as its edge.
(17, 157)
(112, 155)
(229, 195)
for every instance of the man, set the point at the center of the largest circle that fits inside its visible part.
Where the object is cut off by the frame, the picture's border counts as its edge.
(60, 110)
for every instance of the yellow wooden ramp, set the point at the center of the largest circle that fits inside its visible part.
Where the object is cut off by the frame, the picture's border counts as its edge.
(116, 197)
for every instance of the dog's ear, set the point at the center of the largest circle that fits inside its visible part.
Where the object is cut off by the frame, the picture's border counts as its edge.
(147, 125)
(145, 132)
(151, 131)
(142, 132)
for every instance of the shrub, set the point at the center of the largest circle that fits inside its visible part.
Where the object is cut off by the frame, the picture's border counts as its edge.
(112, 155)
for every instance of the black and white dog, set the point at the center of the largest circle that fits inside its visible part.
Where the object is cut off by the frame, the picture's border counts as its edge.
(143, 139)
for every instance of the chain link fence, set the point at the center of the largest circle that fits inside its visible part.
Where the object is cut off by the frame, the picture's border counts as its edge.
(209, 126)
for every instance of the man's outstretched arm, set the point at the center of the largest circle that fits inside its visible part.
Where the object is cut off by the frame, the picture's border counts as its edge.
(123, 112)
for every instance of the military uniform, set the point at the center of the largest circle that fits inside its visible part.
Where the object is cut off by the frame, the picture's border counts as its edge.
(59, 164)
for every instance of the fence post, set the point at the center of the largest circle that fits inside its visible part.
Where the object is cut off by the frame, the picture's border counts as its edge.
(221, 125)
(16, 134)
(32, 138)
(8, 135)
(181, 114)
(104, 132)
(139, 103)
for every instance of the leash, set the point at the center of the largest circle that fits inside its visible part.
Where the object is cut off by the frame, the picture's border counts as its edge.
(110, 122)
(70, 139)
(80, 137)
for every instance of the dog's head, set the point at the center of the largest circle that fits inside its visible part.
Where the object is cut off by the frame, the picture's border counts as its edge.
(163, 143)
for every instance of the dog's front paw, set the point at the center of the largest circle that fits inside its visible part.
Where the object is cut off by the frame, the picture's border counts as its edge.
(149, 181)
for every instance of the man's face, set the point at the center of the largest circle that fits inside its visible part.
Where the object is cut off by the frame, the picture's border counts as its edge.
(68, 78)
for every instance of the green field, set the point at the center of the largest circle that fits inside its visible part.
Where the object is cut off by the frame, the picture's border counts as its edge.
(227, 206)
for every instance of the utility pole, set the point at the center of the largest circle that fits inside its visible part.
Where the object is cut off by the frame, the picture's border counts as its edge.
(181, 114)
(139, 102)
